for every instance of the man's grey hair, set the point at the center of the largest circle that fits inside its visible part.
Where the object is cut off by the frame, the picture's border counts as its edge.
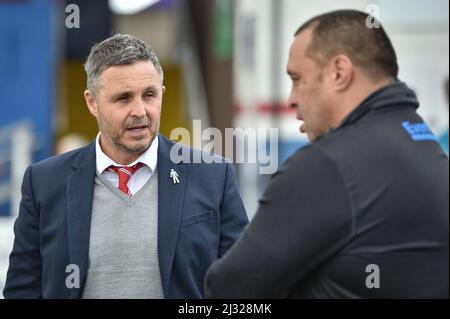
(120, 49)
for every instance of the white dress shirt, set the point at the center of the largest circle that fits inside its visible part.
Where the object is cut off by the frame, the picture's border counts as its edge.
(142, 175)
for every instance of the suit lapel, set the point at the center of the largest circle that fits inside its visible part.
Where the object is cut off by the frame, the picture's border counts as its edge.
(170, 204)
(79, 194)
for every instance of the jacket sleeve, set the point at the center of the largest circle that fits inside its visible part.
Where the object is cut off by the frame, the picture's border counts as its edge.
(233, 217)
(304, 217)
(25, 269)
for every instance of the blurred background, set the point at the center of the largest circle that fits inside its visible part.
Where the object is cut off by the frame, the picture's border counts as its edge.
(224, 63)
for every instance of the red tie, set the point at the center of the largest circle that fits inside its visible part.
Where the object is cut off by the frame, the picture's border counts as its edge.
(125, 174)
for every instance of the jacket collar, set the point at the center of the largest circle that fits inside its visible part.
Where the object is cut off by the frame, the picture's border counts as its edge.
(395, 95)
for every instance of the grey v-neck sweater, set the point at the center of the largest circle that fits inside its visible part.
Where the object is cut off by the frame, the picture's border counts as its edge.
(123, 250)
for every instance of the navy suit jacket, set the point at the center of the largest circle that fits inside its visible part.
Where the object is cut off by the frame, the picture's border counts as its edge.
(198, 220)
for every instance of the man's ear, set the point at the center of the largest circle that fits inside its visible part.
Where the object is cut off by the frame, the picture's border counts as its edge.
(343, 72)
(163, 89)
(91, 102)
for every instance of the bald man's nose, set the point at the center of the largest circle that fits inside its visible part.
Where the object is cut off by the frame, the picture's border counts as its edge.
(292, 100)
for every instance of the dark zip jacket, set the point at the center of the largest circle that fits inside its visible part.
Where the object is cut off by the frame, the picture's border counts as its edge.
(360, 213)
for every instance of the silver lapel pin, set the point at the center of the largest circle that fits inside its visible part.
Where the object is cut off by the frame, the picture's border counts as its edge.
(174, 176)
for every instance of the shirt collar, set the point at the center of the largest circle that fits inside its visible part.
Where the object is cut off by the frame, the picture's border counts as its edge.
(149, 158)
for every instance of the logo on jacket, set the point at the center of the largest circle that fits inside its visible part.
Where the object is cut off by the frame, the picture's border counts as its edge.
(419, 131)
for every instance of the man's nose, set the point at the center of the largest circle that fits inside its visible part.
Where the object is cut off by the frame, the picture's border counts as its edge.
(138, 108)
(292, 100)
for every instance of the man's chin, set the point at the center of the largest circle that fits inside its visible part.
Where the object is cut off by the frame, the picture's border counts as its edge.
(136, 146)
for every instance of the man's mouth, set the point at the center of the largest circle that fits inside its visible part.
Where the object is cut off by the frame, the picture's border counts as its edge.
(303, 125)
(303, 128)
(139, 128)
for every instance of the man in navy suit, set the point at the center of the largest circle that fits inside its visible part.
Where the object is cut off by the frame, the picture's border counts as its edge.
(120, 218)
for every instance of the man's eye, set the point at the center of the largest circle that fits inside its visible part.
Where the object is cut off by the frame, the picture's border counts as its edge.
(149, 95)
(122, 99)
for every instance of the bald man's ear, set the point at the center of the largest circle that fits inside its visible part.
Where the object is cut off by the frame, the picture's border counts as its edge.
(91, 103)
(343, 72)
